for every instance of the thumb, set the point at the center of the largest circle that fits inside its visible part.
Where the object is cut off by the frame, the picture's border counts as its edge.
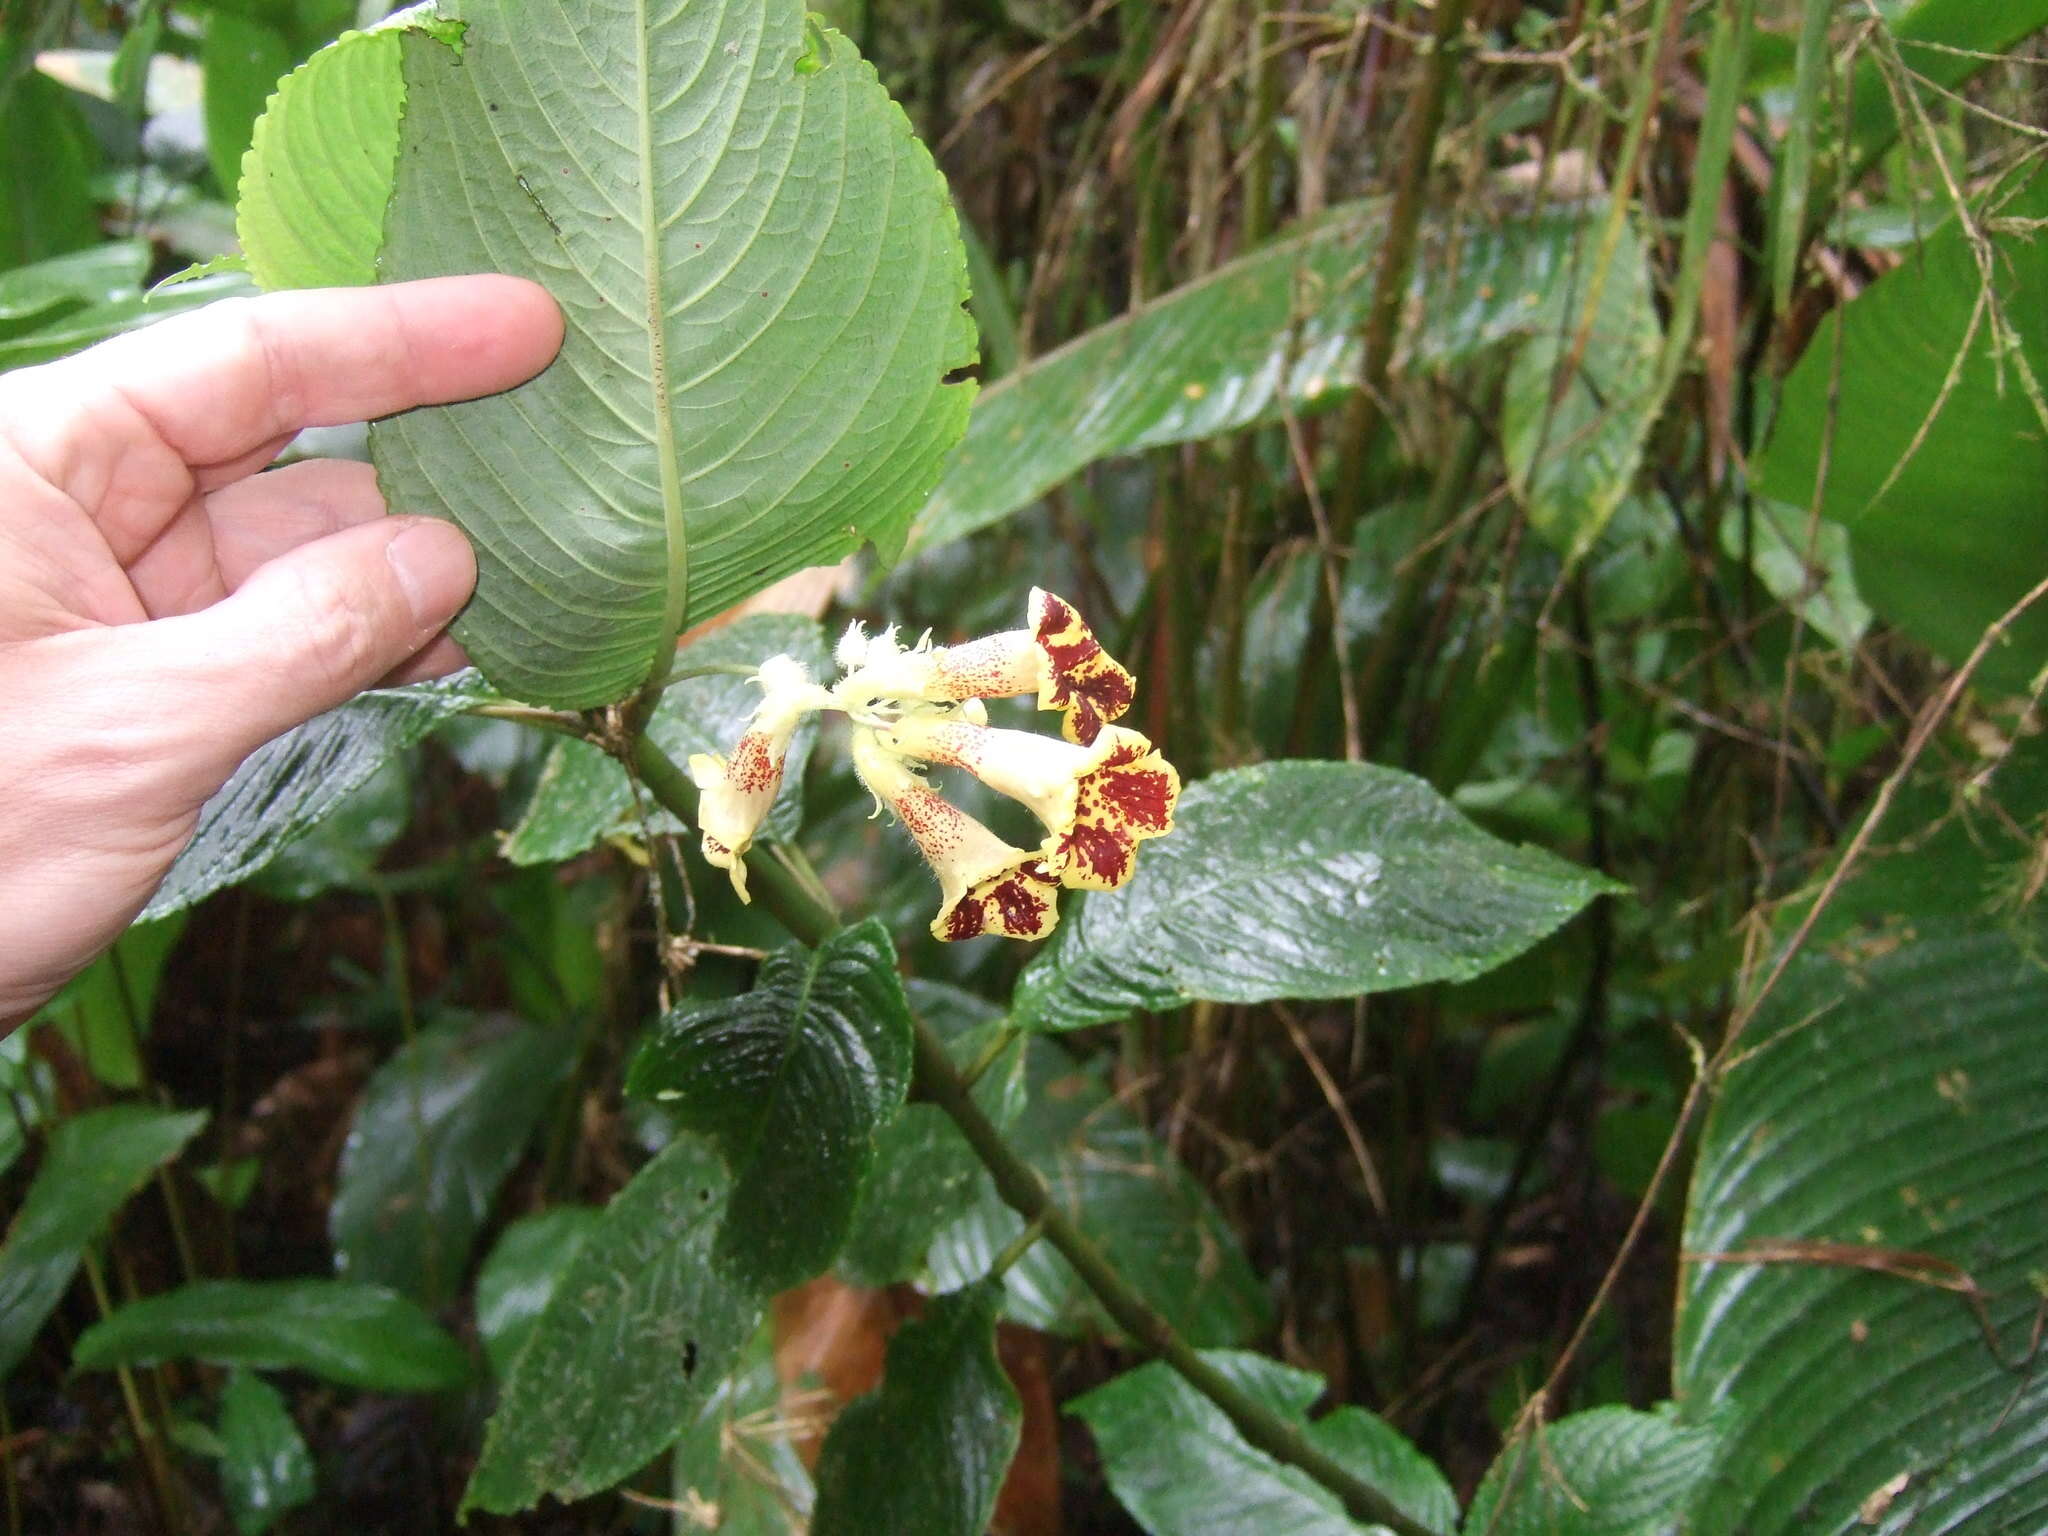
(317, 625)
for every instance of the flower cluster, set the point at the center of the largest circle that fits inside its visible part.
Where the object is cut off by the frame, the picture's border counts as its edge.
(1098, 793)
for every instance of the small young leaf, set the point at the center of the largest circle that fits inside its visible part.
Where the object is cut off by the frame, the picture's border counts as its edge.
(1605, 1472)
(441, 1124)
(266, 1471)
(791, 1081)
(1182, 1469)
(642, 1325)
(94, 1162)
(926, 1453)
(1301, 879)
(349, 1334)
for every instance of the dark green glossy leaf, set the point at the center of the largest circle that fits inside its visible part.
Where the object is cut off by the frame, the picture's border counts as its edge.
(46, 162)
(1182, 1469)
(91, 276)
(584, 795)
(441, 1124)
(243, 57)
(353, 1335)
(266, 1471)
(925, 1454)
(1889, 1108)
(791, 1081)
(289, 785)
(763, 282)
(1275, 330)
(643, 1325)
(1301, 879)
(1933, 446)
(93, 1163)
(1130, 1193)
(925, 1176)
(513, 1287)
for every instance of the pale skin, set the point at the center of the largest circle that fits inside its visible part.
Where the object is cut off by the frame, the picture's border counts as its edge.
(167, 604)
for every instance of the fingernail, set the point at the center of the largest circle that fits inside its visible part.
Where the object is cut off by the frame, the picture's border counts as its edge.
(436, 569)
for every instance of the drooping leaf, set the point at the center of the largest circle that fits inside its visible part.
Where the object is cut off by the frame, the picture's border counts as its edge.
(1573, 452)
(286, 787)
(762, 278)
(314, 185)
(440, 1126)
(926, 1452)
(72, 330)
(1870, 1158)
(1125, 1188)
(644, 1323)
(243, 57)
(94, 1162)
(47, 157)
(266, 1471)
(1301, 879)
(1181, 1468)
(791, 1081)
(1604, 1472)
(352, 1335)
(1275, 330)
(583, 794)
(1933, 442)
(513, 1287)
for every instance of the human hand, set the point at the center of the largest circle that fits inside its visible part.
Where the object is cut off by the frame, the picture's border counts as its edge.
(165, 609)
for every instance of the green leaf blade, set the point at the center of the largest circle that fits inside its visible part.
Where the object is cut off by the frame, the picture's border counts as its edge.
(762, 279)
(440, 1126)
(95, 1161)
(928, 1451)
(353, 1335)
(266, 1471)
(791, 1081)
(1604, 1472)
(1301, 879)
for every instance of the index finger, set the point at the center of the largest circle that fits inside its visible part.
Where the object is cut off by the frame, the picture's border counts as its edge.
(214, 385)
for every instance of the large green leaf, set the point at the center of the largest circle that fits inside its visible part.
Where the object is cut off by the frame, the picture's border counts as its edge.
(1942, 42)
(925, 1454)
(287, 786)
(1182, 1469)
(1275, 330)
(353, 1335)
(1301, 879)
(583, 794)
(69, 330)
(791, 1081)
(1875, 1147)
(1924, 439)
(94, 1162)
(440, 1126)
(642, 1326)
(47, 157)
(1124, 1186)
(90, 276)
(243, 57)
(1605, 1472)
(763, 282)
(266, 1471)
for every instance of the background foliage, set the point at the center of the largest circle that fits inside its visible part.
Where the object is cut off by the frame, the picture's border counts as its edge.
(1566, 474)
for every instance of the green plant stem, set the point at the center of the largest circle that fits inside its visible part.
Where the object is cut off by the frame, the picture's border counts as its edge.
(799, 909)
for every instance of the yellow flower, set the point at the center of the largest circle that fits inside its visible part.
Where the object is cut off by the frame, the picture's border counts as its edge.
(986, 885)
(738, 791)
(1097, 802)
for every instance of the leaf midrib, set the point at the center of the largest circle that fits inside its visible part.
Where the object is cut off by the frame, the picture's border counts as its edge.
(676, 538)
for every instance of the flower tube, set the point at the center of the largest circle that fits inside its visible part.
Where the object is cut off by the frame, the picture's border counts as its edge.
(1097, 802)
(986, 885)
(738, 791)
